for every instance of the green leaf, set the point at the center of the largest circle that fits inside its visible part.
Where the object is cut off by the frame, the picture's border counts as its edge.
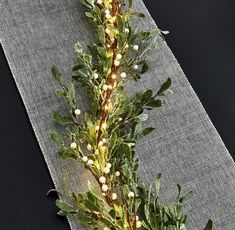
(65, 208)
(209, 225)
(165, 86)
(183, 198)
(101, 34)
(56, 73)
(157, 184)
(120, 23)
(56, 137)
(83, 218)
(148, 130)
(145, 67)
(71, 93)
(92, 206)
(138, 14)
(78, 48)
(57, 117)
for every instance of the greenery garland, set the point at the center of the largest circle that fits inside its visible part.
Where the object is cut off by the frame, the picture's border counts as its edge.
(104, 142)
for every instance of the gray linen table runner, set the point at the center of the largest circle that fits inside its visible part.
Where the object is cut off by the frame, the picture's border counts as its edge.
(185, 147)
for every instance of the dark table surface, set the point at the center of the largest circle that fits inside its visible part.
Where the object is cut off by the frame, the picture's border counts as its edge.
(203, 40)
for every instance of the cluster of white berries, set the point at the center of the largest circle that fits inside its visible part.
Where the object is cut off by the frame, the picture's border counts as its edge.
(117, 60)
(106, 170)
(138, 222)
(85, 160)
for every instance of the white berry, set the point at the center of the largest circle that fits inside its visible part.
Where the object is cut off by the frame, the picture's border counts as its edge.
(137, 218)
(89, 147)
(107, 11)
(100, 143)
(126, 46)
(138, 224)
(107, 31)
(102, 179)
(77, 112)
(116, 63)
(107, 16)
(135, 67)
(114, 196)
(90, 162)
(131, 194)
(117, 173)
(99, 2)
(73, 145)
(104, 187)
(120, 119)
(123, 75)
(96, 76)
(106, 170)
(126, 30)
(119, 56)
(106, 228)
(84, 159)
(135, 47)
(108, 165)
(105, 87)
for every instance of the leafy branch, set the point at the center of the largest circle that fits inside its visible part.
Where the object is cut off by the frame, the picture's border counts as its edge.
(103, 137)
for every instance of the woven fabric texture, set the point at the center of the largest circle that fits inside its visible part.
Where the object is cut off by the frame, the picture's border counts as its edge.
(185, 147)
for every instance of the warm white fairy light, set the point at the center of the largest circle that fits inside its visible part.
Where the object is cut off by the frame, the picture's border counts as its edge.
(114, 76)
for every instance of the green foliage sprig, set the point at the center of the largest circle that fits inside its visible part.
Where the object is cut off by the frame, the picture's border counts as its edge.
(104, 139)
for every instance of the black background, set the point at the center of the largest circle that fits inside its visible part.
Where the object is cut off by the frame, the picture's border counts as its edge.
(203, 40)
